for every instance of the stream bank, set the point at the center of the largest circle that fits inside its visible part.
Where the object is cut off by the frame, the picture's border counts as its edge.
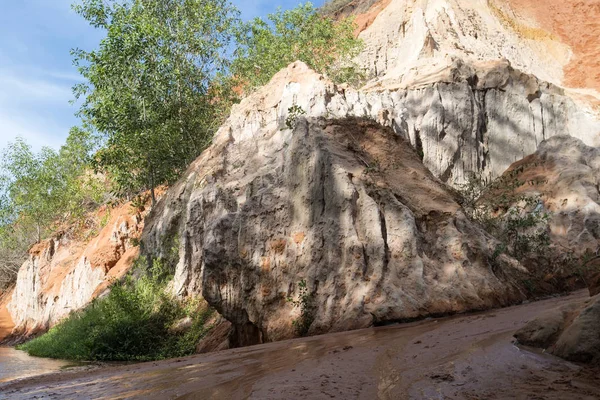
(462, 357)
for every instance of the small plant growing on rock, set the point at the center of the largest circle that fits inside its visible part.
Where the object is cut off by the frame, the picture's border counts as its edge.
(305, 302)
(518, 221)
(139, 202)
(294, 112)
(374, 167)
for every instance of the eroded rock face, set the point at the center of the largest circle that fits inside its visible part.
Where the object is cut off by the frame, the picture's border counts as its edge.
(473, 119)
(554, 40)
(346, 205)
(477, 84)
(565, 173)
(63, 275)
(342, 201)
(580, 340)
(570, 332)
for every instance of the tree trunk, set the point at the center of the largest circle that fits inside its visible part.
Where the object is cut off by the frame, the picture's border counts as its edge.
(153, 195)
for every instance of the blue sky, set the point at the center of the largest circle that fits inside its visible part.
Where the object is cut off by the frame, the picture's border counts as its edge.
(36, 73)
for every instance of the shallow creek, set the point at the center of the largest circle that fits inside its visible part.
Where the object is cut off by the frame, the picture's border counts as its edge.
(15, 364)
(462, 357)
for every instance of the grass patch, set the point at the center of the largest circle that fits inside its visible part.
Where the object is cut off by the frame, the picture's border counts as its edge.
(134, 322)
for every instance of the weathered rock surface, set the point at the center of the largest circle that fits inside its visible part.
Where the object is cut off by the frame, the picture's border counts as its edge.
(464, 118)
(570, 332)
(546, 328)
(580, 341)
(576, 23)
(565, 173)
(346, 205)
(63, 275)
(476, 85)
(554, 40)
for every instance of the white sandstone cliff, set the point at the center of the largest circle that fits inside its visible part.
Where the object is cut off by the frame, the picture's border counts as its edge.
(344, 204)
(341, 202)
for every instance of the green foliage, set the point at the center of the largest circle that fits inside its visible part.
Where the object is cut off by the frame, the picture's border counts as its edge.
(135, 321)
(307, 309)
(15, 240)
(521, 224)
(518, 221)
(154, 86)
(139, 202)
(42, 191)
(294, 113)
(50, 187)
(265, 47)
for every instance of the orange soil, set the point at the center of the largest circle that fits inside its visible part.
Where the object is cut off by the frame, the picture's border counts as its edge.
(364, 20)
(6, 322)
(119, 270)
(105, 250)
(577, 24)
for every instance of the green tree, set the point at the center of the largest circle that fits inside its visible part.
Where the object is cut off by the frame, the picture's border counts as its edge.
(29, 185)
(154, 87)
(41, 191)
(265, 47)
(50, 187)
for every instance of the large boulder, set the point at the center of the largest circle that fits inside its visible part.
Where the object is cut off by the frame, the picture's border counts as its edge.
(580, 341)
(545, 329)
(345, 205)
(565, 174)
(570, 332)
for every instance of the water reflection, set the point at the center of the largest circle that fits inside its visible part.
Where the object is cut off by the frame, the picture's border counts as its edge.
(15, 364)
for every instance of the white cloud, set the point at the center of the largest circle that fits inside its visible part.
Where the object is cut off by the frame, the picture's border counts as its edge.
(33, 105)
(38, 132)
(14, 87)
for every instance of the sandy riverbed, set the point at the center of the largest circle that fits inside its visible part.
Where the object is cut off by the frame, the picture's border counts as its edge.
(463, 357)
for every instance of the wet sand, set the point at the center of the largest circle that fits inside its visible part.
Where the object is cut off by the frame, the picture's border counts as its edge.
(15, 364)
(462, 357)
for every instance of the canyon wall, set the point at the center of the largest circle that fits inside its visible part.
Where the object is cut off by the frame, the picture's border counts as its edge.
(345, 189)
(344, 204)
(63, 274)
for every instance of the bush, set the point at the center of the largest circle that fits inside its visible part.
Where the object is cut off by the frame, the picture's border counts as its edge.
(521, 224)
(133, 322)
(518, 221)
(266, 47)
(307, 309)
(294, 113)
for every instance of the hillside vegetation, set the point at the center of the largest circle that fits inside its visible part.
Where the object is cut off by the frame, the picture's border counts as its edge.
(137, 321)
